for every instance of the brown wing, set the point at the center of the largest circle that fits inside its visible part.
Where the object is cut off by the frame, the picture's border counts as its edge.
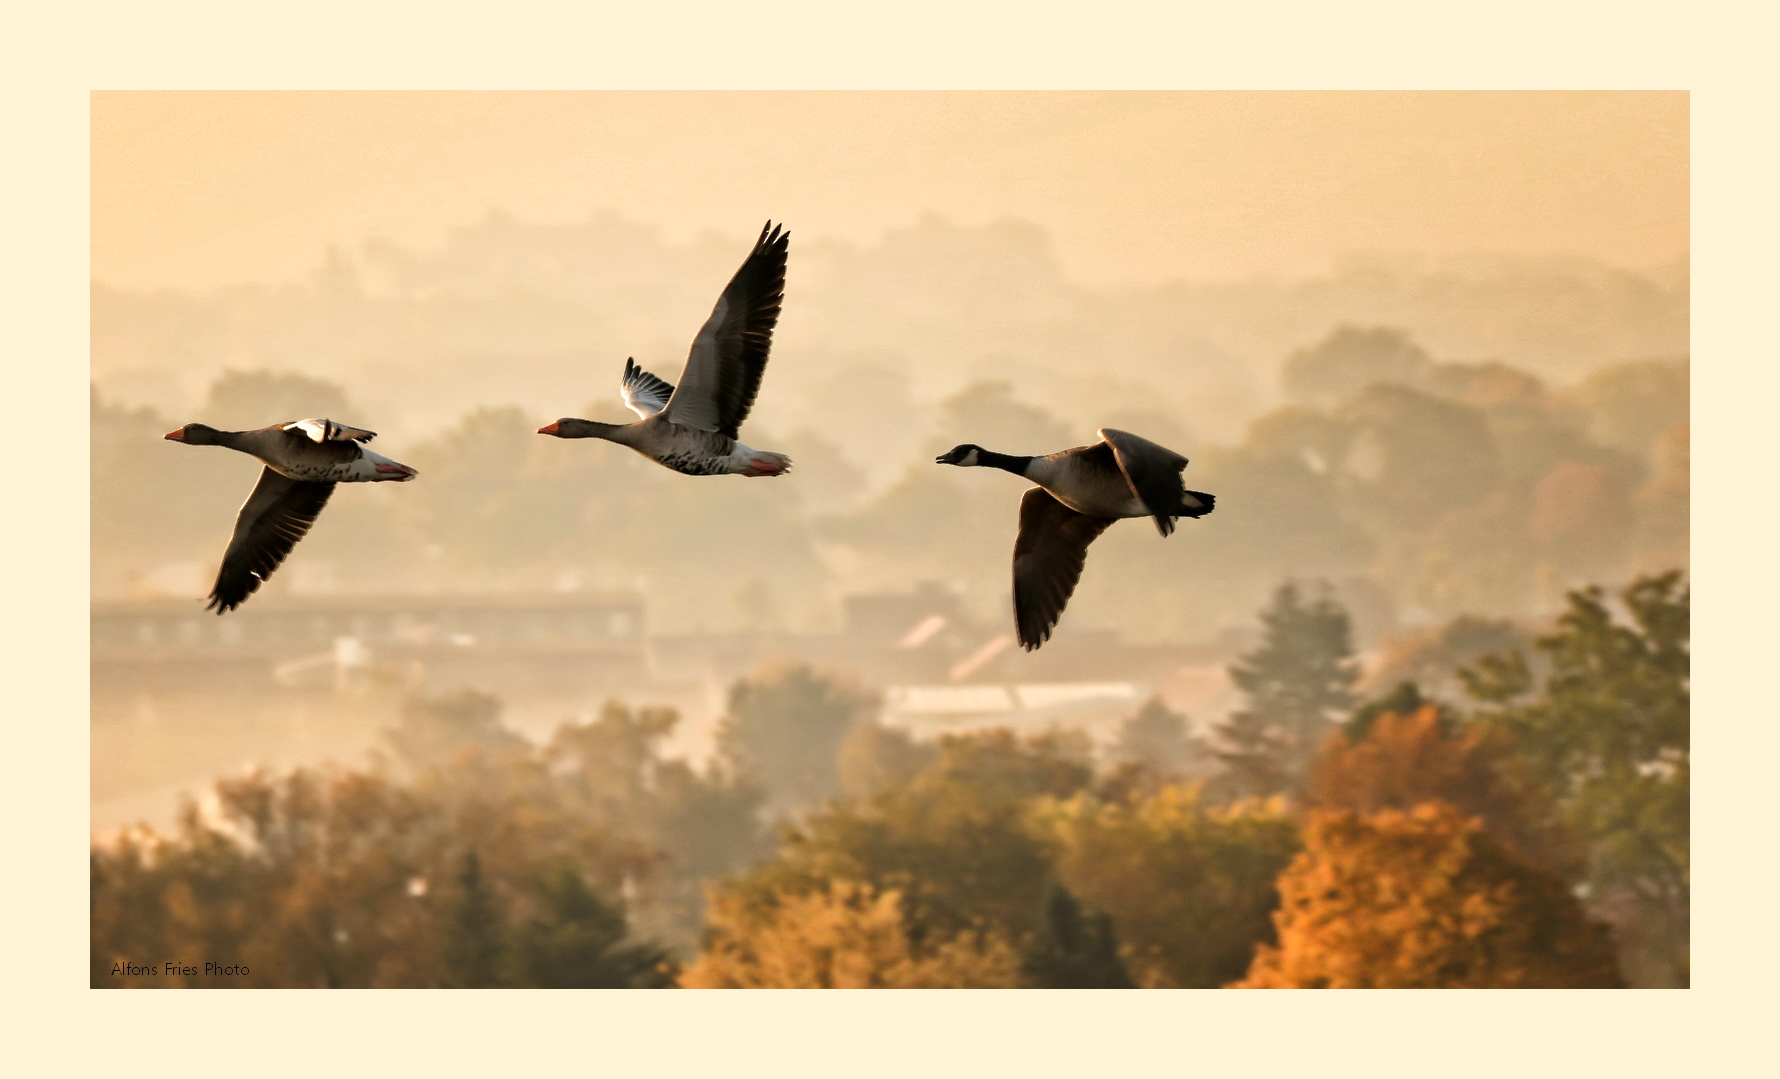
(1153, 472)
(275, 516)
(1048, 559)
(728, 356)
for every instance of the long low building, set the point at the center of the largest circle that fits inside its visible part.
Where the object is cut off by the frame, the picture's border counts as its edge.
(285, 622)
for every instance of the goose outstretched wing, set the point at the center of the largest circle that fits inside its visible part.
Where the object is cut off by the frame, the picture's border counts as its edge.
(728, 356)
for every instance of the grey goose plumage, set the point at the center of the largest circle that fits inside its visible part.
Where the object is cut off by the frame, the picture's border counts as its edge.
(303, 461)
(1080, 492)
(694, 428)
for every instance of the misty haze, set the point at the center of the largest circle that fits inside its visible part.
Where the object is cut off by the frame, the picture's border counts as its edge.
(1422, 464)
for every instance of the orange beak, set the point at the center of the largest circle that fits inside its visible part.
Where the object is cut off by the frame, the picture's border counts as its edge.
(550, 430)
(175, 436)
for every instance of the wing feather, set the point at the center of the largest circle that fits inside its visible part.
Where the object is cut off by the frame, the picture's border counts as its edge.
(275, 516)
(644, 393)
(728, 356)
(323, 430)
(1048, 557)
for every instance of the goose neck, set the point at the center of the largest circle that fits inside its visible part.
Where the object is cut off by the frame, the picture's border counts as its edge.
(1005, 461)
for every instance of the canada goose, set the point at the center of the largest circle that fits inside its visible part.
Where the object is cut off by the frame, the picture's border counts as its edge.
(1080, 492)
(694, 429)
(303, 461)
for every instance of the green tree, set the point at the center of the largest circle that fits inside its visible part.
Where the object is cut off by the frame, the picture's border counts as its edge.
(784, 727)
(473, 939)
(1608, 734)
(954, 841)
(1190, 886)
(430, 730)
(873, 758)
(1157, 737)
(1298, 681)
(574, 942)
(1073, 948)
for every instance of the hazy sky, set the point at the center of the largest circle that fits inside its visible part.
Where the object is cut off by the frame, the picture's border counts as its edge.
(196, 189)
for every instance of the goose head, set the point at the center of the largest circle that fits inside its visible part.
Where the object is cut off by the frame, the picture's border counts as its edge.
(569, 427)
(964, 456)
(194, 434)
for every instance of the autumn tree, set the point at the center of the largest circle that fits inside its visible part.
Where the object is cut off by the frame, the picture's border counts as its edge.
(1298, 681)
(1189, 886)
(500, 864)
(873, 758)
(844, 935)
(1607, 733)
(430, 730)
(1403, 750)
(1425, 899)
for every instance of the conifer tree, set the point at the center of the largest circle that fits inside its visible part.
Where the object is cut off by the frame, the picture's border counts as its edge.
(1073, 948)
(1157, 737)
(1297, 681)
(575, 942)
(473, 937)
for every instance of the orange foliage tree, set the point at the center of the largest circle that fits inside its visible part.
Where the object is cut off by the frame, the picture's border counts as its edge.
(1425, 899)
(1401, 761)
(845, 936)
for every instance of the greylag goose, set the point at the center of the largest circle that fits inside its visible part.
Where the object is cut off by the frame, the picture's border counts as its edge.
(303, 461)
(1080, 492)
(694, 428)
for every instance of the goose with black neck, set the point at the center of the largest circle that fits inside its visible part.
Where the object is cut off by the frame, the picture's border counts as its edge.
(1080, 492)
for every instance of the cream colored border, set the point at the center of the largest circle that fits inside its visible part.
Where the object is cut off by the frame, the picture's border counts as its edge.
(58, 54)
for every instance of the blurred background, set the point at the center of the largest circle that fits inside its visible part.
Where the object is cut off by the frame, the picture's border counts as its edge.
(1430, 351)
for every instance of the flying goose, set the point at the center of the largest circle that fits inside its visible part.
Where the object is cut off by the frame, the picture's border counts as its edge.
(693, 429)
(1080, 492)
(303, 461)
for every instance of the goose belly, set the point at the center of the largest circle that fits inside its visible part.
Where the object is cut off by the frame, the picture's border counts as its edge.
(692, 463)
(1100, 503)
(363, 470)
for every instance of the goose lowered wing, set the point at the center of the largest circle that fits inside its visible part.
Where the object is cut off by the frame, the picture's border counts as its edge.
(1153, 472)
(275, 516)
(728, 356)
(1048, 559)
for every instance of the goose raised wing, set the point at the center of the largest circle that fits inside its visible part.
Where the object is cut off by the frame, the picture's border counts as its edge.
(695, 427)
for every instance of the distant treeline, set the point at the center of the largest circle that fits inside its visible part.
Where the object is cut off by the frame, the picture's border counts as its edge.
(1529, 832)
